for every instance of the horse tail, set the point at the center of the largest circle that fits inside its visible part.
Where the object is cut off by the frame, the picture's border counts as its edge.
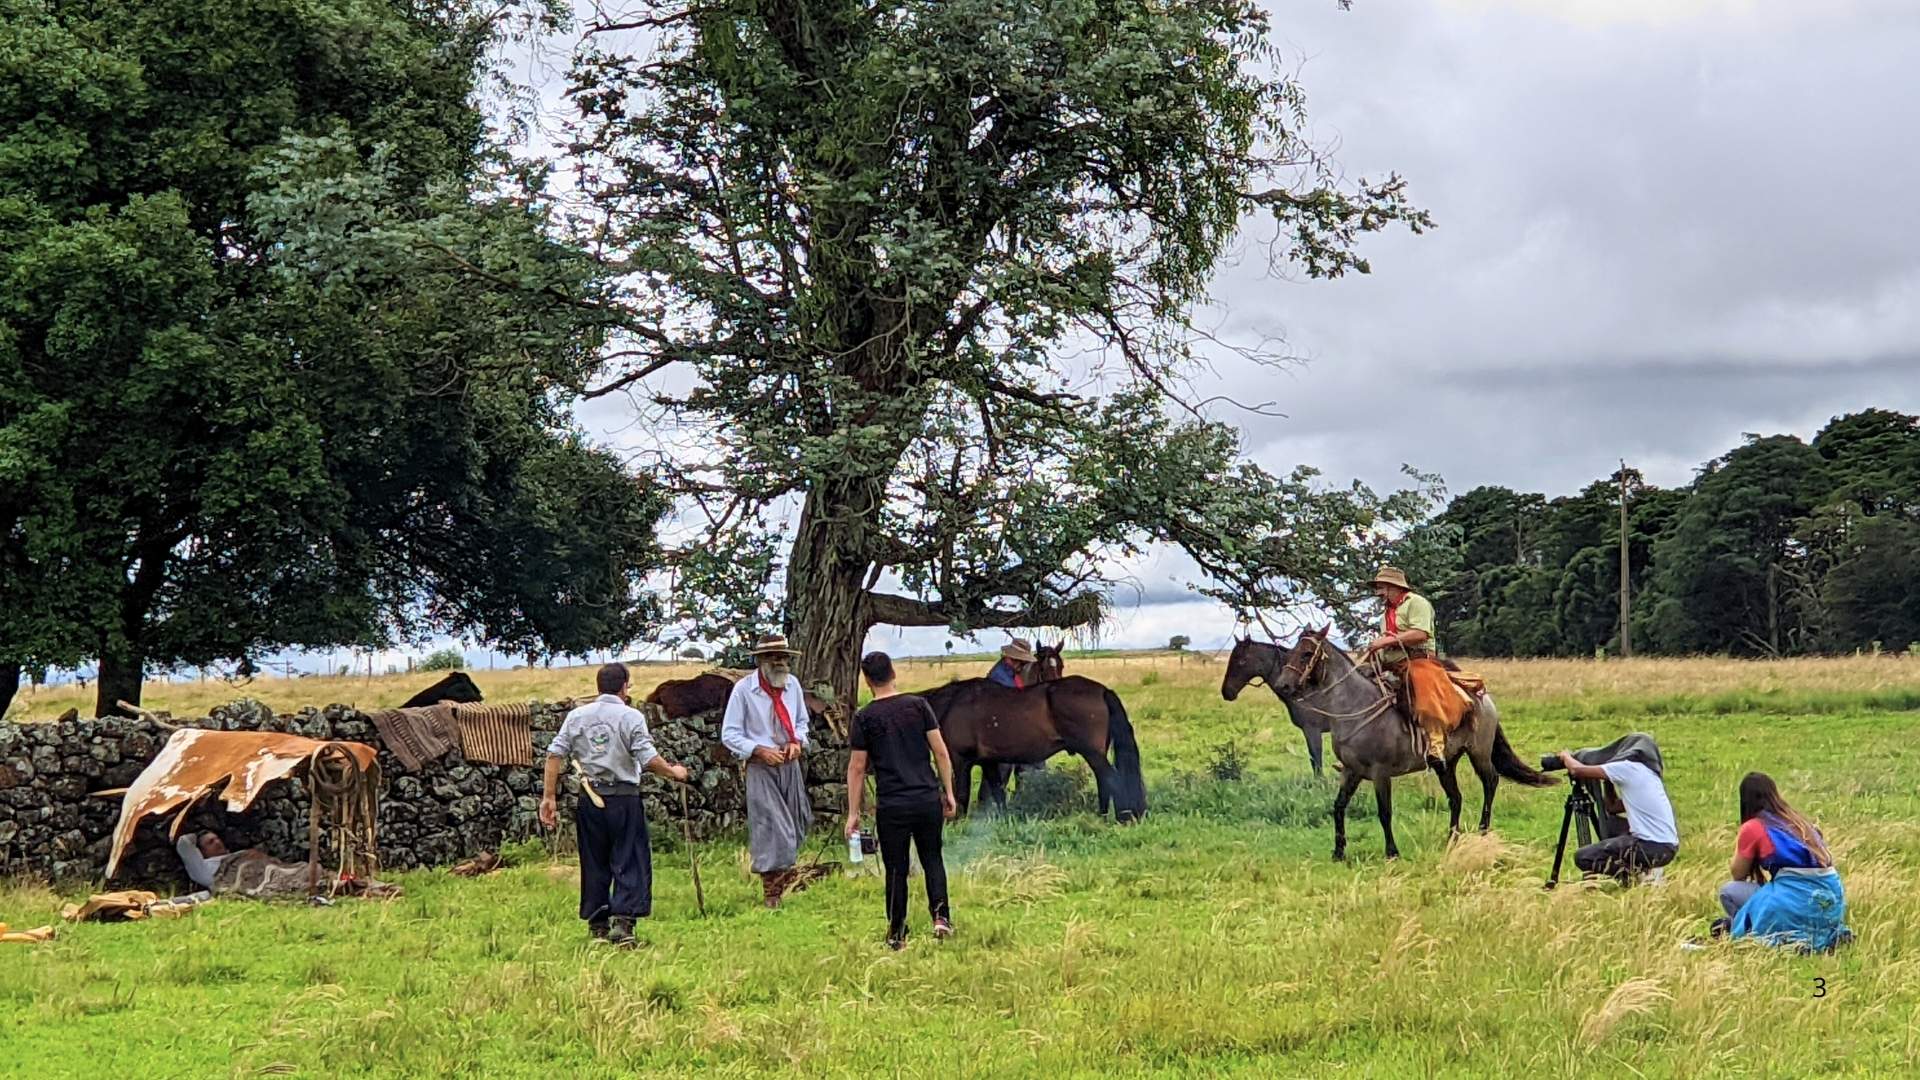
(1509, 765)
(1130, 801)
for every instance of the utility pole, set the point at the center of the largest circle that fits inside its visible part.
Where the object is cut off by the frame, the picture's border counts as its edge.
(1626, 573)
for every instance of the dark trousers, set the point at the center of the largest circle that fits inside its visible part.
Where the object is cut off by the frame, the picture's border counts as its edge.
(1623, 856)
(616, 863)
(920, 826)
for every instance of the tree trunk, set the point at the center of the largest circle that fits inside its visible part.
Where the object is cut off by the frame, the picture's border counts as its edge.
(826, 593)
(121, 676)
(9, 683)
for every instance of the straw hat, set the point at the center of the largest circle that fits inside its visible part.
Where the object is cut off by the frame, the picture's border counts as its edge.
(1390, 575)
(1019, 650)
(774, 645)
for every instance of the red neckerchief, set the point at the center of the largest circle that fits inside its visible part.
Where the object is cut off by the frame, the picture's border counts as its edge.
(1018, 683)
(1393, 620)
(780, 707)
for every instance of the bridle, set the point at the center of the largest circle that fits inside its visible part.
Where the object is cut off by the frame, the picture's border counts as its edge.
(1314, 660)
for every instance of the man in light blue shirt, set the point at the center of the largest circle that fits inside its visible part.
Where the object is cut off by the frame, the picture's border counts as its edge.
(610, 740)
(766, 726)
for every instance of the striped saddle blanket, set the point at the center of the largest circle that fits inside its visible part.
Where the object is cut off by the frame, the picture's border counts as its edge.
(495, 734)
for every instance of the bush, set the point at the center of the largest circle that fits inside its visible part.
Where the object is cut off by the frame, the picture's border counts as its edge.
(1179, 642)
(1226, 763)
(692, 654)
(1047, 793)
(442, 660)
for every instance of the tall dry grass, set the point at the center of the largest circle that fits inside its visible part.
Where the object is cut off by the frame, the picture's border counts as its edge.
(1739, 685)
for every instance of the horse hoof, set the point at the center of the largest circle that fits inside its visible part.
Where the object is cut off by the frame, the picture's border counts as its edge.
(1394, 856)
(1339, 856)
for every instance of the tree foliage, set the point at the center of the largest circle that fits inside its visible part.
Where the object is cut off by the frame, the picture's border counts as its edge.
(1777, 547)
(248, 396)
(918, 281)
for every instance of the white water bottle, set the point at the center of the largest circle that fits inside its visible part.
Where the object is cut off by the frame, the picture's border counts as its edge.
(854, 854)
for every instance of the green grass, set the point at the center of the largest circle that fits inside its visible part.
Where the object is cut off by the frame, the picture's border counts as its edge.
(1216, 938)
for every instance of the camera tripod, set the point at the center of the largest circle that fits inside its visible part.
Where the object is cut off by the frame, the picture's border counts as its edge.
(1580, 804)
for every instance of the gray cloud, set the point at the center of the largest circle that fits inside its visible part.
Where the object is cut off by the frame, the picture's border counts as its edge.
(1662, 224)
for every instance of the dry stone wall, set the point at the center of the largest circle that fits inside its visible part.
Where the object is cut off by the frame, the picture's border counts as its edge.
(452, 808)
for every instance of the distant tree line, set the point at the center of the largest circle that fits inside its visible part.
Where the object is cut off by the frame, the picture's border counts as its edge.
(1779, 547)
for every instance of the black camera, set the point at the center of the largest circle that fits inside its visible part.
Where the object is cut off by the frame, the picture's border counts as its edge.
(1551, 763)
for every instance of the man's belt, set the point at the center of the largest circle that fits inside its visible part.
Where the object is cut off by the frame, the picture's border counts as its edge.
(607, 789)
(1418, 653)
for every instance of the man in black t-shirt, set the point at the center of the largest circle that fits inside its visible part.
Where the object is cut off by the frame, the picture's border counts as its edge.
(898, 735)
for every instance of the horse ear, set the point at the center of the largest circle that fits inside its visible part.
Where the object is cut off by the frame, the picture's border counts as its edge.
(1060, 645)
(1327, 629)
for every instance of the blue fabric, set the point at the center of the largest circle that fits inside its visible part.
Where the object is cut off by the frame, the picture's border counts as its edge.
(1002, 673)
(1788, 850)
(1803, 907)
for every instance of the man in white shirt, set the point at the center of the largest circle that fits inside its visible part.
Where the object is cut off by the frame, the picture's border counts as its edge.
(1652, 837)
(610, 740)
(766, 727)
(202, 856)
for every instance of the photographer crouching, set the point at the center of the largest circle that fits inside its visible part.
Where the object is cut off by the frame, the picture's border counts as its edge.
(1652, 838)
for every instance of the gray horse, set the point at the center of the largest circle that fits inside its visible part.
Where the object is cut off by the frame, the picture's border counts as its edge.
(1252, 660)
(1374, 739)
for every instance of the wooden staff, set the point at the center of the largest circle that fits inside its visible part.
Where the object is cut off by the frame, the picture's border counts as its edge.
(686, 833)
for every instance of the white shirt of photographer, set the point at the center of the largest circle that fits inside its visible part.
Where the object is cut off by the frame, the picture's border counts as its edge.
(1649, 814)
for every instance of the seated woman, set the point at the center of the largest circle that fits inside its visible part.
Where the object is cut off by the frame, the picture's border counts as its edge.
(1803, 904)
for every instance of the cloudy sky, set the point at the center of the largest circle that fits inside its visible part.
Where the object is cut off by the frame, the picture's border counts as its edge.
(1662, 224)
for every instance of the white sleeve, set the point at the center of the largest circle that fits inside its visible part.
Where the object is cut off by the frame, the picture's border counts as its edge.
(562, 744)
(733, 726)
(199, 870)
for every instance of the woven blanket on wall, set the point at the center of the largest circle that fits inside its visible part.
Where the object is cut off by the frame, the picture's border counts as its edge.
(496, 734)
(416, 735)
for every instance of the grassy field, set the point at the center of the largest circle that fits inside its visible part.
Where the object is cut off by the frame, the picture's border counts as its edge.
(1215, 938)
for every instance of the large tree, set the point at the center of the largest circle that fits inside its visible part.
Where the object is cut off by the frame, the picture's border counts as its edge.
(248, 397)
(1724, 572)
(919, 281)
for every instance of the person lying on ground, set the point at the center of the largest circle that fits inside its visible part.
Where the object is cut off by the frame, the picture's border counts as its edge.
(202, 855)
(610, 740)
(898, 736)
(1652, 838)
(1803, 903)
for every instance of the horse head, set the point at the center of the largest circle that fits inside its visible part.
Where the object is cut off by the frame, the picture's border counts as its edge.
(1249, 660)
(1047, 662)
(1304, 665)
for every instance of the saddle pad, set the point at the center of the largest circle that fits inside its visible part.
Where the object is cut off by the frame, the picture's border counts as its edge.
(415, 736)
(496, 734)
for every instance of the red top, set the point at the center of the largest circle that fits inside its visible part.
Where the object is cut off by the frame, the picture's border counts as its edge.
(1752, 841)
(1393, 615)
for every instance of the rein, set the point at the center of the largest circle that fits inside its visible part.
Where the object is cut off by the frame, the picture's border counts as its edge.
(1315, 660)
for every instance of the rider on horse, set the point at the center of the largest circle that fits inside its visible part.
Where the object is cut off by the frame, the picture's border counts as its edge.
(1408, 648)
(1015, 669)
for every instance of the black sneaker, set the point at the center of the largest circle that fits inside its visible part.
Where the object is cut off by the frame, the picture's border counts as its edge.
(1721, 928)
(896, 942)
(597, 933)
(620, 933)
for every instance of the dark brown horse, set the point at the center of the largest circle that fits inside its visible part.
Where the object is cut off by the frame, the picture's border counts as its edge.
(1252, 660)
(681, 698)
(983, 721)
(1374, 740)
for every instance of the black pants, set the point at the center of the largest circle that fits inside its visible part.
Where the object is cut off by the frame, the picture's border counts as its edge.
(1623, 856)
(921, 826)
(616, 863)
